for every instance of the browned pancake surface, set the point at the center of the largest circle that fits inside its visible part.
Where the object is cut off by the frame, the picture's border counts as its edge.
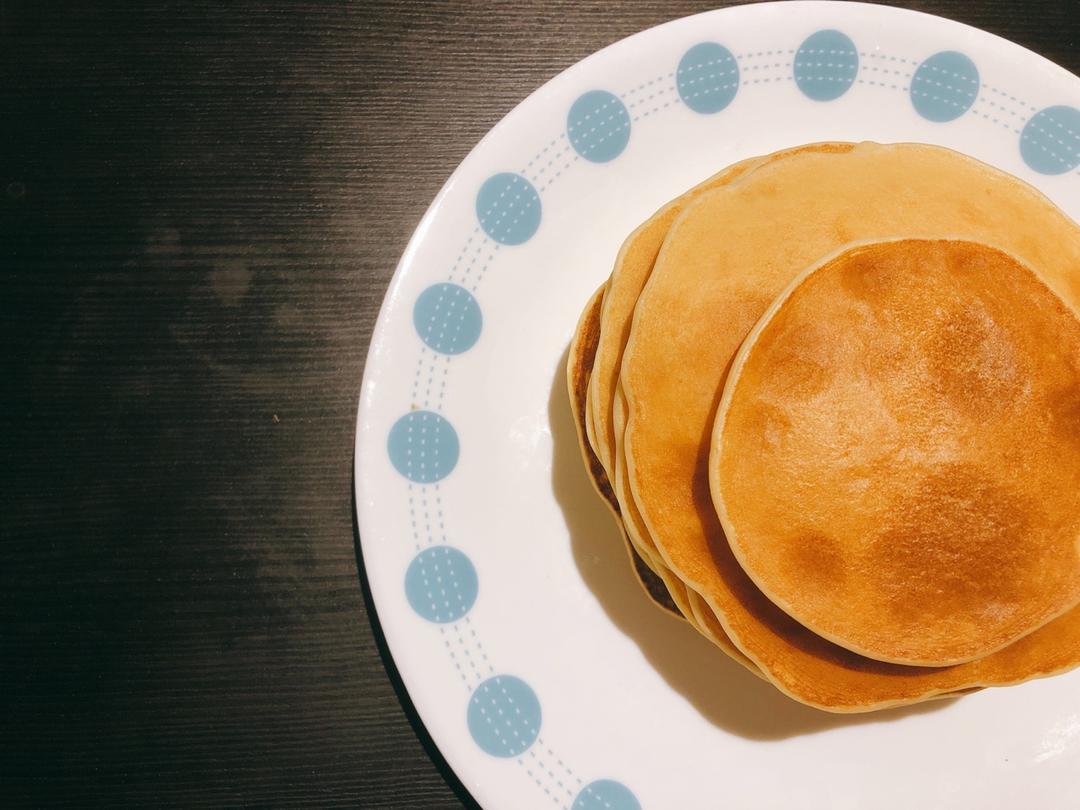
(896, 457)
(729, 255)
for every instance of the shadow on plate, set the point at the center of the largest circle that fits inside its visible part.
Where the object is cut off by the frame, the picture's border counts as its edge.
(723, 691)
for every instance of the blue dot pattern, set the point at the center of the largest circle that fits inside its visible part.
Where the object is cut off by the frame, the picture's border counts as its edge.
(598, 126)
(1050, 142)
(441, 584)
(605, 794)
(504, 716)
(447, 318)
(945, 86)
(508, 208)
(423, 447)
(826, 65)
(707, 78)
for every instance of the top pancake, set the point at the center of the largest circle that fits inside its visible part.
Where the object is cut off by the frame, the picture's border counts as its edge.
(896, 457)
(725, 260)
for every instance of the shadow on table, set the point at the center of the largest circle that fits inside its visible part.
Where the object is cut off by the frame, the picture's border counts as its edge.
(723, 691)
(395, 679)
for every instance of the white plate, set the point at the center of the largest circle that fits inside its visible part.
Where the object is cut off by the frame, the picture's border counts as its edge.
(500, 581)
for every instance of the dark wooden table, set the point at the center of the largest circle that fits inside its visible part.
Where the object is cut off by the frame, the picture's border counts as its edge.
(201, 205)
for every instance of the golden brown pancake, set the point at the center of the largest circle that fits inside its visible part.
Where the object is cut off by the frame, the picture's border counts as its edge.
(700, 615)
(665, 589)
(605, 412)
(706, 623)
(578, 367)
(603, 416)
(725, 260)
(616, 298)
(896, 456)
(632, 268)
(690, 602)
(579, 364)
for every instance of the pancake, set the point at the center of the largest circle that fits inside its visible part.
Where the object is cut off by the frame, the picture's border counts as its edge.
(700, 616)
(706, 623)
(605, 413)
(579, 363)
(665, 589)
(578, 367)
(602, 421)
(632, 268)
(726, 258)
(896, 456)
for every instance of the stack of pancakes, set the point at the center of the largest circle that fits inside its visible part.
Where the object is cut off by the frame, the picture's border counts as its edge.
(832, 395)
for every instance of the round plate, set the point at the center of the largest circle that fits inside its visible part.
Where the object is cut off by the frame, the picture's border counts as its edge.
(541, 670)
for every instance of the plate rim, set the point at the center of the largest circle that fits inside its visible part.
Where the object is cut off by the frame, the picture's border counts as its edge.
(367, 442)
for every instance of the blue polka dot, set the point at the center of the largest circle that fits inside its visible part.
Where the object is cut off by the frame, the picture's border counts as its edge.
(826, 65)
(504, 716)
(447, 318)
(598, 126)
(508, 208)
(423, 447)
(441, 584)
(604, 794)
(945, 86)
(1050, 142)
(707, 78)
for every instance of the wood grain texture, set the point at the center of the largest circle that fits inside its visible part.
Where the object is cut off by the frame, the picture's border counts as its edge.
(201, 205)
